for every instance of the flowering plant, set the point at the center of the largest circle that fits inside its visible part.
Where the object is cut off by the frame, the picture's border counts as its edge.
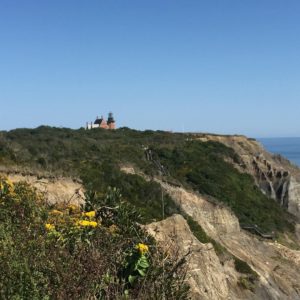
(136, 264)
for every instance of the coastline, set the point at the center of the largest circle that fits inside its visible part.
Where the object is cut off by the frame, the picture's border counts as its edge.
(286, 147)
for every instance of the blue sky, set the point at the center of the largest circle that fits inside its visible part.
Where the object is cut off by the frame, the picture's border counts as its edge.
(213, 66)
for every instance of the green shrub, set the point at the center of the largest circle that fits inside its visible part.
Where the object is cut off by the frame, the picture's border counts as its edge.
(146, 196)
(201, 235)
(69, 252)
(242, 267)
(246, 283)
(248, 278)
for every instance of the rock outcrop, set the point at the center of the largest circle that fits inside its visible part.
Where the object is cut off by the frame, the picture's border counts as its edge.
(205, 274)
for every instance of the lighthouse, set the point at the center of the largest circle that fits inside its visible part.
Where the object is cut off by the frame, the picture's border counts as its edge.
(111, 121)
(102, 123)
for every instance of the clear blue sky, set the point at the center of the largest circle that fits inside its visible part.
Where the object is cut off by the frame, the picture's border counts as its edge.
(215, 66)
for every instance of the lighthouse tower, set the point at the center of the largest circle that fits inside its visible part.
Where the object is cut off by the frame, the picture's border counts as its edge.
(110, 121)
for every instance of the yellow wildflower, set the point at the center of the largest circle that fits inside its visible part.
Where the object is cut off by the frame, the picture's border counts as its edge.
(85, 223)
(89, 214)
(142, 248)
(49, 226)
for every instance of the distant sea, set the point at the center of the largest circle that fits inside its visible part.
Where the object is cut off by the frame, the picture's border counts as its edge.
(287, 147)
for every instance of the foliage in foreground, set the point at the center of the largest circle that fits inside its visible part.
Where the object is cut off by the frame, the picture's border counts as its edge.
(68, 252)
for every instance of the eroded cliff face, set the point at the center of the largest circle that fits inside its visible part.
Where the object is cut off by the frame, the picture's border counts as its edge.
(293, 196)
(276, 264)
(205, 274)
(275, 176)
(54, 189)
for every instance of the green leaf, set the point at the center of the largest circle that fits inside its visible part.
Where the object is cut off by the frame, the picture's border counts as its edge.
(143, 262)
(141, 272)
(132, 279)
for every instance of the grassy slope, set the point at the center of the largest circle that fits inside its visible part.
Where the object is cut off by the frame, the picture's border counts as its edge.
(96, 155)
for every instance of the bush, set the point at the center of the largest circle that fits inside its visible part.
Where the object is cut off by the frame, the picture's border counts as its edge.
(243, 268)
(249, 276)
(201, 235)
(97, 251)
(146, 196)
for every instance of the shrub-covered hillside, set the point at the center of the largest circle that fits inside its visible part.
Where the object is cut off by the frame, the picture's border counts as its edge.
(67, 252)
(96, 157)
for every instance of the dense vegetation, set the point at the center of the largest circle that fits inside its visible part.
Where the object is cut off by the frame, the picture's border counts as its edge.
(202, 166)
(67, 252)
(96, 157)
(62, 150)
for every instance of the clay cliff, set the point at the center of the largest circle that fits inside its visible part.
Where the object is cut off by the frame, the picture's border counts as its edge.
(276, 265)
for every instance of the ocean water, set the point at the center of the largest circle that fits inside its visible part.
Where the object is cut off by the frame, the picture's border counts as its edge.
(287, 147)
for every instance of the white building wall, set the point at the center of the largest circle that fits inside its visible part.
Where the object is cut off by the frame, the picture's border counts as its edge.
(92, 125)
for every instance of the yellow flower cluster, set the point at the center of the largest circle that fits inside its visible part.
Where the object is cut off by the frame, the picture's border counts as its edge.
(70, 216)
(88, 223)
(85, 223)
(89, 214)
(49, 227)
(142, 248)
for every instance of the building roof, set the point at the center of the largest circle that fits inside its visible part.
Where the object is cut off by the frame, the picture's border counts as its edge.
(99, 120)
